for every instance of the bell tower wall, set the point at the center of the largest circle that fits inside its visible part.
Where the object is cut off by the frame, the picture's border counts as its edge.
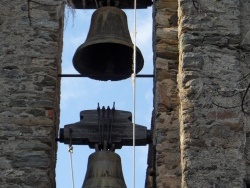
(200, 123)
(30, 56)
(210, 82)
(201, 108)
(164, 167)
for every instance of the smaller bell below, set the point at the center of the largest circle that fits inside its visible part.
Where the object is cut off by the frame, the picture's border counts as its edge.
(107, 53)
(104, 171)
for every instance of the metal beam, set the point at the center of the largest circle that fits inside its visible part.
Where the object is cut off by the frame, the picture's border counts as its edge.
(80, 75)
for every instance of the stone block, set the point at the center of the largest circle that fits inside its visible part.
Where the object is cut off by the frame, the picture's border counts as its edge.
(192, 61)
(166, 51)
(167, 36)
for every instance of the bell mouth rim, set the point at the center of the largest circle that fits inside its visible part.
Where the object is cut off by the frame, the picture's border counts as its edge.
(84, 68)
(106, 41)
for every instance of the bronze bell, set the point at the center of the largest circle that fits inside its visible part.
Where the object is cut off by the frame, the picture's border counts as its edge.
(104, 171)
(107, 53)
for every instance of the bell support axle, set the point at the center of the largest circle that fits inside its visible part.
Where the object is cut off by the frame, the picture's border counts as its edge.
(82, 75)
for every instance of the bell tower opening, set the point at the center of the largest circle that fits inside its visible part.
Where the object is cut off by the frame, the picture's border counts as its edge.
(82, 93)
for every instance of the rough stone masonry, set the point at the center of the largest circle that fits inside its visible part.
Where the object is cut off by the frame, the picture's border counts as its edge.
(200, 120)
(211, 82)
(30, 59)
(200, 123)
(164, 167)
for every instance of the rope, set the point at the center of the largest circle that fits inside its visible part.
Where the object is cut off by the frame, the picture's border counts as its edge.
(134, 91)
(70, 150)
(71, 165)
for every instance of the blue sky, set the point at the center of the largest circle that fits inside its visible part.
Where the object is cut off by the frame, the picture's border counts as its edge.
(79, 94)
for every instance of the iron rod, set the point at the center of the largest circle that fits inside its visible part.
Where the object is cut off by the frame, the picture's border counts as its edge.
(80, 75)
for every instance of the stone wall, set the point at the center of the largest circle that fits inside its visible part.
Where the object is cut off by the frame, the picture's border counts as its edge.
(245, 64)
(211, 84)
(164, 168)
(201, 125)
(30, 56)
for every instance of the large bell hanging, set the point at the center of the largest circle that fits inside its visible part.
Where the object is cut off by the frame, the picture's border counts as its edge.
(107, 53)
(104, 171)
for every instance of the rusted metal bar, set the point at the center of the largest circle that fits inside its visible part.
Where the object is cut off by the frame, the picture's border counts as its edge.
(80, 75)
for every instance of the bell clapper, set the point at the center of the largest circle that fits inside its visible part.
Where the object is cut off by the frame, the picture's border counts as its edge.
(109, 69)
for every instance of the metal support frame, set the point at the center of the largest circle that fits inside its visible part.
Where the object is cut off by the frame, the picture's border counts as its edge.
(80, 75)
